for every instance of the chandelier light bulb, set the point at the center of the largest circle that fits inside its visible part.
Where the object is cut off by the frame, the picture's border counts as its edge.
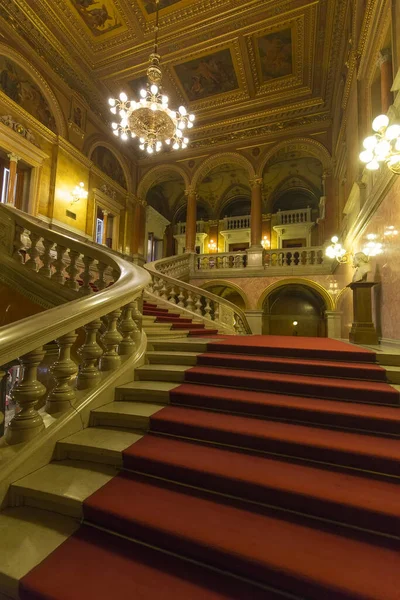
(181, 125)
(392, 132)
(184, 145)
(111, 101)
(114, 125)
(179, 133)
(116, 132)
(182, 110)
(141, 146)
(176, 146)
(185, 140)
(113, 110)
(124, 136)
(164, 99)
(334, 239)
(123, 97)
(141, 140)
(382, 150)
(149, 149)
(191, 118)
(154, 89)
(372, 166)
(394, 160)
(143, 93)
(366, 156)
(397, 145)
(168, 141)
(122, 113)
(380, 122)
(370, 142)
(153, 106)
(190, 125)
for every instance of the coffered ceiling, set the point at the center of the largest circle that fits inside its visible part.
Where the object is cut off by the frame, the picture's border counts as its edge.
(247, 68)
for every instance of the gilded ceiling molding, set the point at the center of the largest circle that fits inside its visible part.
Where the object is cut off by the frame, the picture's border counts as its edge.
(121, 159)
(222, 159)
(42, 85)
(155, 176)
(310, 146)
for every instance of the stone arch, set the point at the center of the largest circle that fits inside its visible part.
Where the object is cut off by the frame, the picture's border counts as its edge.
(222, 159)
(154, 176)
(41, 83)
(317, 287)
(310, 146)
(183, 206)
(120, 158)
(213, 282)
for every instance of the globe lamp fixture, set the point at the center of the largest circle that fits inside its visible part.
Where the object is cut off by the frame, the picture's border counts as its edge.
(150, 119)
(383, 146)
(79, 193)
(336, 250)
(265, 243)
(212, 246)
(372, 248)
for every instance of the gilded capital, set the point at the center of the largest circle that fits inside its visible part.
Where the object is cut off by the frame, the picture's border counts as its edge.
(13, 157)
(190, 191)
(384, 56)
(256, 181)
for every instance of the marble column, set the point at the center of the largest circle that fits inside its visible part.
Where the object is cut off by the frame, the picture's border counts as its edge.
(191, 220)
(105, 225)
(13, 177)
(330, 221)
(256, 213)
(139, 229)
(385, 64)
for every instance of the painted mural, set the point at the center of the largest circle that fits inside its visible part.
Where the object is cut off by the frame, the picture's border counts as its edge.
(208, 75)
(101, 17)
(150, 5)
(20, 87)
(275, 51)
(105, 160)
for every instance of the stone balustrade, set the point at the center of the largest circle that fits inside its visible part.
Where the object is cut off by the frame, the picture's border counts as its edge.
(168, 284)
(93, 332)
(295, 257)
(180, 228)
(291, 217)
(241, 222)
(226, 260)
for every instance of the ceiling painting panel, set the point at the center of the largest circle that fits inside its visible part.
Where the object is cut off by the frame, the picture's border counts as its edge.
(208, 75)
(100, 17)
(275, 54)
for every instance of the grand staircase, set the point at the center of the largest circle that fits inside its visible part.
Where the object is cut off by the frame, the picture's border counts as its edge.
(231, 467)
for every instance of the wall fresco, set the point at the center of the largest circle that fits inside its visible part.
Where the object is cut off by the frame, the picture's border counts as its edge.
(20, 87)
(100, 17)
(105, 160)
(208, 75)
(275, 52)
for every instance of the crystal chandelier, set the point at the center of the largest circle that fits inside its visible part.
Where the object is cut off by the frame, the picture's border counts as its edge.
(336, 250)
(383, 146)
(149, 118)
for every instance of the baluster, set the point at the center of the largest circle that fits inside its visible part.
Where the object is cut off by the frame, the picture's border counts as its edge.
(199, 306)
(100, 282)
(207, 309)
(164, 291)
(72, 270)
(137, 317)
(58, 275)
(111, 339)
(27, 423)
(156, 286)
(189, 301)
(309, 257)
(150, 286)
(172, 296)
(181, 298)
(63, 370)
(86, 288)
(127, 328)
(33, 252)
(216, 311)
(18, 245)
(89, 374)
(46, 258)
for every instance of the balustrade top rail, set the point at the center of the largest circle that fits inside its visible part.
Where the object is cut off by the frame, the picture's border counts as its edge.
(291, 217)
(241, 222)
(28, 334)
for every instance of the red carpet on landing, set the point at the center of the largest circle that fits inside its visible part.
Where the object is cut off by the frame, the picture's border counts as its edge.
(277, 462)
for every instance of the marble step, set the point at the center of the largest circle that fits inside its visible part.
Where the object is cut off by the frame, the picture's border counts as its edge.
(61, 486)
(125, 415)
(97, 444)
(145, 391)
(184, 345)
(172, 358)
(157, 372)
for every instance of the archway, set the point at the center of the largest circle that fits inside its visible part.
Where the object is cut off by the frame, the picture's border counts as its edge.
(229, 291)
(295, 308)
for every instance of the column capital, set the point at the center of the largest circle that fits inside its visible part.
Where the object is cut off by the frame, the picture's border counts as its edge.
(384, 56)
(256, 181)
(105, 212)
(13, 157)
(190, 190)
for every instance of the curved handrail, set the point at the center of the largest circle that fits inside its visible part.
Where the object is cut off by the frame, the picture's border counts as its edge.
(173, 271)
(30, 333)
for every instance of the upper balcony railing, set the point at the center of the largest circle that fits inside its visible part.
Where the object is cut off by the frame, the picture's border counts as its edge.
(242, 222)
(292, 217)
(180, 228)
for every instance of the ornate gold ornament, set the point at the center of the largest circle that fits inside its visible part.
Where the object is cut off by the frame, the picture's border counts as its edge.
(150, 119)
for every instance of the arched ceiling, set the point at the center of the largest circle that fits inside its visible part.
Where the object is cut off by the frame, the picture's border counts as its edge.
(247, 69)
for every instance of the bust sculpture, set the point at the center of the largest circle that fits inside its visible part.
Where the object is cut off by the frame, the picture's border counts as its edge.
(362, 267)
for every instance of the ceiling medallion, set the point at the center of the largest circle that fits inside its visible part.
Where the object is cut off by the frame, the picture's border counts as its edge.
(150, 119)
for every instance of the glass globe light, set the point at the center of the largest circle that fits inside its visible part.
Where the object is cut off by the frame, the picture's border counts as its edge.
(116, 132)
(123, 97)
(380, 122)
(181, 125)
(141, 140)
(191, 118)
(149, 149)
(190, 125)
(168, 141)
(370, 142)
(366, 156)
(154, 89)
(143, 93)
(382, 149)
(141, 146)
(111, 101)
(164, 99)
(392, 132)
(335, 239)
(179, 133)
(372, 166)
(122, 113)
(124, 136)
(153, 106)
(182, 110)
(176, 146)
(133, 134)
(113, 110)
(114, 125)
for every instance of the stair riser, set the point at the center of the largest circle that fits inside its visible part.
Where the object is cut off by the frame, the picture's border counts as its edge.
(171, 359)
(133, 422)
(195, 346)
(337, 420)
(174, 376)
(279, 447)
(311, 388)
(156, 396)
(51, 502)
(105, 457)
(265, 367)
(281, 499)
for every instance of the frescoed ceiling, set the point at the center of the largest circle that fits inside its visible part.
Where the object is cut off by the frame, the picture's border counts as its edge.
(246, 68)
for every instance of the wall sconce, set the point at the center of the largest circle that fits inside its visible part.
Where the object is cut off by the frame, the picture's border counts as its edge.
(382, 146)
(390, 232)
(372, 248)
(333, 287)
(336, 250)
(79, 193)
(212, 246)
(265, 243)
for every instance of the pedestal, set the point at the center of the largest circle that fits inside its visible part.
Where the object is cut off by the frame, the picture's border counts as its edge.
(362, 330)
(255, 257)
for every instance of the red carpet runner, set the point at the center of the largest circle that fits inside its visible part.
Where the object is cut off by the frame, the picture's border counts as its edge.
(277, 462)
